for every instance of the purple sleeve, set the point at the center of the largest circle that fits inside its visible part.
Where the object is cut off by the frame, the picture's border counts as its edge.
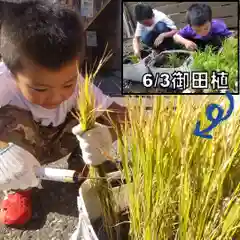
(220, 28)
(186, 32)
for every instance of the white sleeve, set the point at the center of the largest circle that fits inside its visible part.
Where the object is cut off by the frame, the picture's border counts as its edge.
(164, 18)
(138, 31)
(103, 102)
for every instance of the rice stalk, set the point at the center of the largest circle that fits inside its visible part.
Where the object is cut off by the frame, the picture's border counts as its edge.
(223, 61)
(181, 186)
(86, 116)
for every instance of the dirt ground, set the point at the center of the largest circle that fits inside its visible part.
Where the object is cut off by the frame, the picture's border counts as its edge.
(55, 212)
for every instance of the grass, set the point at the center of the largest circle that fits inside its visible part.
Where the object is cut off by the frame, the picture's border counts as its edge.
(86, 116)
(174, 61)
(180, 186)
(226, 60)
(134, 59)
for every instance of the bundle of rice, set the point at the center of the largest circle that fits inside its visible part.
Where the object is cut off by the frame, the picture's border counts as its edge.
(87, 118)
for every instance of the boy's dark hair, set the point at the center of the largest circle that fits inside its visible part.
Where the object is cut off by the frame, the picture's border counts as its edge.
(143, 12)
(198, 14)
(48, 34)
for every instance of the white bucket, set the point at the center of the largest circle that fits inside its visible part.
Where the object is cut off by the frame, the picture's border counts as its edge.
(135, 72)
(185, 67)
(89, 208)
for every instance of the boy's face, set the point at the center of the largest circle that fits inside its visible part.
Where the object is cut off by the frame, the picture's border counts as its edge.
(45, 87)
(202, 30)
(147, 22)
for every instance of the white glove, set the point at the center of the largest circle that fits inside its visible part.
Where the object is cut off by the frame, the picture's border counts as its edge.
(94, 143)
(17, 168)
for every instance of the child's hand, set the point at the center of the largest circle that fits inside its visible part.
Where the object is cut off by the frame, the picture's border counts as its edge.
(17, 168)
(94, 143)
(137, 54)
(189, 45)
(159, 39)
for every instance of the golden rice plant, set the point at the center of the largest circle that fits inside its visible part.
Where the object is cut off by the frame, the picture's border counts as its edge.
(86, 115)
(180, 186)
(86, 99)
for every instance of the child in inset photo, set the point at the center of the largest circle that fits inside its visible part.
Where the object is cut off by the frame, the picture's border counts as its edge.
(202, 30)
(154, 29)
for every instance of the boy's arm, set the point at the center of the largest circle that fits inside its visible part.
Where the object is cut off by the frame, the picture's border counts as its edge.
(162, 36)
(181, 35)
(179, 39)
(136, 39)
(170, 34)
(136, 45)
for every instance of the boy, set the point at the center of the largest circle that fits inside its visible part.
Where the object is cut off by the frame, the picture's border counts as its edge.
(41, 46)
(154, 28)
(202, 30)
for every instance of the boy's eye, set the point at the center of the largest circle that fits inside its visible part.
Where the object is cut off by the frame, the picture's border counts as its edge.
(68, 86)
(39, 89)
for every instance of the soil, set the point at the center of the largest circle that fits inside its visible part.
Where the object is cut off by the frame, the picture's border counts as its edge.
(120, 232)
(170, 60)
(128, 51)
(127, 59)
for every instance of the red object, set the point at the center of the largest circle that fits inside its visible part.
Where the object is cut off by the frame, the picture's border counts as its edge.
(147, 22)
(17, 208)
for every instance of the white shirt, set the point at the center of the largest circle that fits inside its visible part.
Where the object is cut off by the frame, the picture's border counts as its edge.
(10, 95)
(19, 158)
(158, 16)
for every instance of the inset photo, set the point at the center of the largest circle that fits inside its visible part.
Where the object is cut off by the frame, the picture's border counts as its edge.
(180, 48)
